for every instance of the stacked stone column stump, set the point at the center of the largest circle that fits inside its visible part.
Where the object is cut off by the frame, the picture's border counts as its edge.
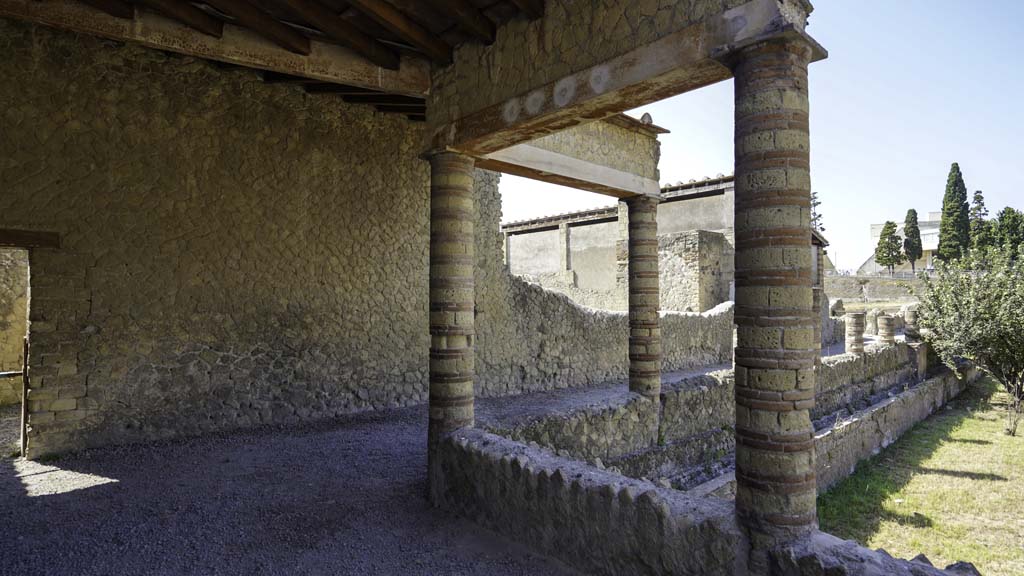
(644, 330)
(886, 330)
(855, 325)
(777, 343)
(452, 297)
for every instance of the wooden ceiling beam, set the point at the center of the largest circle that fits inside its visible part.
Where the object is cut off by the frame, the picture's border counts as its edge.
(263, 24)
(385, 14)
(532, 8)
(338, 89)
(385, 99)
(188, 15)
(115, 8)
(470, 18)
(319, 16)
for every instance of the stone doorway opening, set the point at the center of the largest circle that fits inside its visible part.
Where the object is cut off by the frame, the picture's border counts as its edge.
(14, 297)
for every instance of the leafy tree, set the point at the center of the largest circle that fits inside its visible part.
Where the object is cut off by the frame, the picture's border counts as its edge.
(816, 222)
(982, 235)
(954, 229)
(912, 247)
(1009, 229)
(889, 252)
(972, 309)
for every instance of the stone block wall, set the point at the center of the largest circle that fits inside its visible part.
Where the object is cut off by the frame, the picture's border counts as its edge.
(849, 380)
(861, 288)
(235, 253)
(13, 320)
(691, 265)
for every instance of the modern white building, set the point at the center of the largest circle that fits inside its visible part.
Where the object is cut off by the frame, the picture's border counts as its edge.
(929, 224)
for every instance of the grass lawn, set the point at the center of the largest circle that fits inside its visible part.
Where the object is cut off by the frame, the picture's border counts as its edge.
(952, 488)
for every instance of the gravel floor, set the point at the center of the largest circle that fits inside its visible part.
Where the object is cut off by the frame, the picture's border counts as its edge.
(339, 498)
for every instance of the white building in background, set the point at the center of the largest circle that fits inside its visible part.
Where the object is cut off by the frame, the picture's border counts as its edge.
(929, 225)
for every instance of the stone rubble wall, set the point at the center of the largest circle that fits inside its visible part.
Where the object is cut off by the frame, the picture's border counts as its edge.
(847, 379)
(235, 253)
(595, 520)
(13, 320)
(865, 433)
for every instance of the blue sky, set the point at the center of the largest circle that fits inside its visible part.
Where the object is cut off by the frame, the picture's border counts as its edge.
(909, 87)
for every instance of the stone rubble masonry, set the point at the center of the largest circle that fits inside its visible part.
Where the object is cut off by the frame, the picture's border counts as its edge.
(452, 294)
(777, 343)
(236, 253)
(850, 379)
(13, 320)
(855, 322)
(593, 519)
(865, 433)
(644, 331)
(868, 288)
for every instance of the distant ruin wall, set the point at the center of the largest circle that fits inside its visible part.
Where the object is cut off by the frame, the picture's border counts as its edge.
(13, 320)
(861, 288)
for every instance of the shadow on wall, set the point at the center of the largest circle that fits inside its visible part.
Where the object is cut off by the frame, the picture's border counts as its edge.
(877, 479)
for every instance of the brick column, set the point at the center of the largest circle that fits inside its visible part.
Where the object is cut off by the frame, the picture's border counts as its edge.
(644, 332)
(451, 294)
(911, 329)
(855, 322)
(776, 338)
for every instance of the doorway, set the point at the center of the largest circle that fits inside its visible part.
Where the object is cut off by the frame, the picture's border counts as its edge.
(14, 296)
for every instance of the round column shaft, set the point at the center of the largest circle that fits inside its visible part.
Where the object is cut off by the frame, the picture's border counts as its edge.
(644, 331)
(777, 341)
(855, 324)
(452, 295)
(887, 330)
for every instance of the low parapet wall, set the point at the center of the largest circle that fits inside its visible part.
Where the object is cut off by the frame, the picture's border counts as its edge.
(841, 446)
(848, 380)
(596, 520)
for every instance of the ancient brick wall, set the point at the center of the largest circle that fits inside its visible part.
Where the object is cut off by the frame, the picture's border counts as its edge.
(13, 319)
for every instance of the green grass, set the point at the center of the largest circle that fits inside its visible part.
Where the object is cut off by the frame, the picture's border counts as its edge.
(952, 488)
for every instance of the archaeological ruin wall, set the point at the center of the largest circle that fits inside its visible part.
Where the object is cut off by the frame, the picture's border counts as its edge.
(234, 253)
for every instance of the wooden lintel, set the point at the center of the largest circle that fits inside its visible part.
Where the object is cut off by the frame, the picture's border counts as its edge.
(115, 8)
(539, 164)
(685, 60)
(28, 239)
(326, 62)
(188, 15)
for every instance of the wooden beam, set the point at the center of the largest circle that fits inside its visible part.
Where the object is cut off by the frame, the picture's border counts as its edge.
(406, 28)
(188, 15)
(338, 89)
(539, 164)
(263, 24)
(115, 8)
(331, 24)
(385, 99)
(29, 239)
(470, 18)
(532, 8)
(681, 61)
(327, 62)
(403, 109)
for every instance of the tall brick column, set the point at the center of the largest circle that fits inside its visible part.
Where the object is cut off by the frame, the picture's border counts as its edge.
(644, 332)
(451, 294)
(776, 343)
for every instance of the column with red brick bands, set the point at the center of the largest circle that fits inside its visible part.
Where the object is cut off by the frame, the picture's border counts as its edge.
(644, 331)
(452, 295)
(778, 340)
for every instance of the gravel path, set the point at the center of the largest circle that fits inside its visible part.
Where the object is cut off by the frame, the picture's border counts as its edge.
(339, 498)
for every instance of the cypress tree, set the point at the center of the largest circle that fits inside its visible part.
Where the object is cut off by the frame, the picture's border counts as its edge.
(912, 246)
(955, 227)
(982, 235)
(889, 252)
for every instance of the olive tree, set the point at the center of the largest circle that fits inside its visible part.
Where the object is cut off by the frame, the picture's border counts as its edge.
(973, 309)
